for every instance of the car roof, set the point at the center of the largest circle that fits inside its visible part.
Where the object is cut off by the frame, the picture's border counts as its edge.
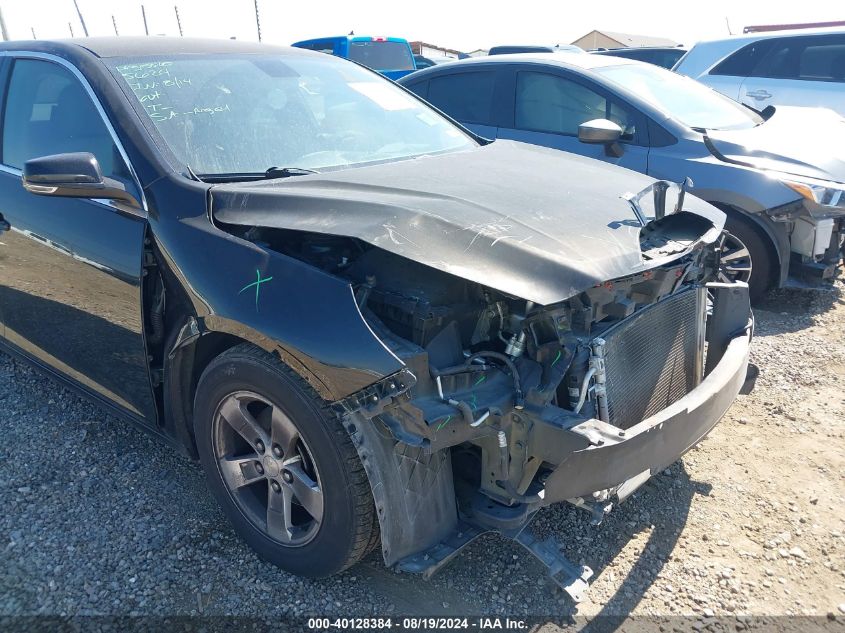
(610, 51)
(571, 60)
(141, 46)
(353, 38)
(761, 35)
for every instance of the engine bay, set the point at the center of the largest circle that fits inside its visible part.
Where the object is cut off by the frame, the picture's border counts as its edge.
(492, 371)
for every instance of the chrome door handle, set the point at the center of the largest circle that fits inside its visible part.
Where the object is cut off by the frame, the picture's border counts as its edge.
(759, 94)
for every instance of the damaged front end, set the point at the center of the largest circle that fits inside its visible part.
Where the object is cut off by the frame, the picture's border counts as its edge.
(506, 406)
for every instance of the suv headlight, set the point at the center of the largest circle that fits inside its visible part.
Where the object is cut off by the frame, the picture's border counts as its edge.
(824, 192)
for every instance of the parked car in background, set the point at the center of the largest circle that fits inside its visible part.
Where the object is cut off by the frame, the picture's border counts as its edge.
(373, 329)
(427, 62)
(774, 68)
(421, 62)
(516, 48)
(663, 56)
(391, 56)
(779, 179)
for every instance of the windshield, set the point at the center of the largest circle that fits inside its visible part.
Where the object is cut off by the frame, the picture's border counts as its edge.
(244, 114)
(688, 101)
(382, 55)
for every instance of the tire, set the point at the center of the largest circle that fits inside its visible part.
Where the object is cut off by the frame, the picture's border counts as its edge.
(763, 272)
(246, 401)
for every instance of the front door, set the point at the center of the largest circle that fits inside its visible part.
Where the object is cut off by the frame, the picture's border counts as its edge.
(71, 267)
(548, 108)
(799, 71)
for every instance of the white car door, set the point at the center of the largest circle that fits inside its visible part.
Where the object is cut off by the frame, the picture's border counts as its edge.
(804, 71)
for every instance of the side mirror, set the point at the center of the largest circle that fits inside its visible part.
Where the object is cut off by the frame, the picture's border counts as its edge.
(602, 132)
(72, 175)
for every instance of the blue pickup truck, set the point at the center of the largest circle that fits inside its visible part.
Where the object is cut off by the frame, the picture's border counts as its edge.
(391, 56)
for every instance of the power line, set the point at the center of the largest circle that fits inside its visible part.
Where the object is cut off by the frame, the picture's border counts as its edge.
(3, 31)
(81, 19)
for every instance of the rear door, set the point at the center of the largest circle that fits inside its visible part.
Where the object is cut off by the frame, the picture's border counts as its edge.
(799, 71)
(468, 96)
(548, 105)
(728, 75)
(70, 284)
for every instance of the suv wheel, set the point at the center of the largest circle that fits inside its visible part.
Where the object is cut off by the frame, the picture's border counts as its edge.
(281, 465)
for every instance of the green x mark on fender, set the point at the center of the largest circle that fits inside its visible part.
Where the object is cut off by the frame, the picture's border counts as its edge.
(257, 284)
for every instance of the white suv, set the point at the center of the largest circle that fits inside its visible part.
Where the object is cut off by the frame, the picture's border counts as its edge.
(798, 68)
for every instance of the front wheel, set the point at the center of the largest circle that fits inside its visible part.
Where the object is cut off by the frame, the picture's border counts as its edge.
(745, 257)
(281, 465)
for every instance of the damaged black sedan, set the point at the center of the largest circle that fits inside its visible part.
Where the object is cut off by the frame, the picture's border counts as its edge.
(372, 328)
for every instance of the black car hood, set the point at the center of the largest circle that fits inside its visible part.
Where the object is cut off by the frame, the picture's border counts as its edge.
(798, 141)
(534, 223)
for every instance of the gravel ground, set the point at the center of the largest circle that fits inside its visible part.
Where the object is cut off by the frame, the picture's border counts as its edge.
(99, 518)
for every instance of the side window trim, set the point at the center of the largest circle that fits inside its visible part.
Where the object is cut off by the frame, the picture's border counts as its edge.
(8, 58)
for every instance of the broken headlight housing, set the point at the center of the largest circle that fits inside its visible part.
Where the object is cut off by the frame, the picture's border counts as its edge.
(823, 192)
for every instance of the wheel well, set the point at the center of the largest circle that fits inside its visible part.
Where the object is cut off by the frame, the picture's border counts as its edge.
(184, 368)
(768, 240)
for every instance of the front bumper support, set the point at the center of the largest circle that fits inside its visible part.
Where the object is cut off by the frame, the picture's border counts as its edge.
(568, 576)
(616, 456)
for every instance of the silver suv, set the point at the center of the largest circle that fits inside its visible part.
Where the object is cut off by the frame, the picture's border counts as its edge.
(778, 68)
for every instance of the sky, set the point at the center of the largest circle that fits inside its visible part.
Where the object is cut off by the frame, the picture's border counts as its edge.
(463, 25)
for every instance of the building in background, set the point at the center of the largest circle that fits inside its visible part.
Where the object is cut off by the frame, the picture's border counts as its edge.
(611, 39)
(433, 51)
(478, 52)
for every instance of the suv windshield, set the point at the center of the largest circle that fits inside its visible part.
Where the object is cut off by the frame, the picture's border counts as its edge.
(382, 55)
(244, 114)
(688, 101)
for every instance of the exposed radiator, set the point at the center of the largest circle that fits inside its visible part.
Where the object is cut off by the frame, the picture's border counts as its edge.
(654, 357)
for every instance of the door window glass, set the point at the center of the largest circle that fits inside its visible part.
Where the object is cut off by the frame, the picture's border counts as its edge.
(742, 62)
(819, 58)
(548, 103)
(49, 112)
(466, 97)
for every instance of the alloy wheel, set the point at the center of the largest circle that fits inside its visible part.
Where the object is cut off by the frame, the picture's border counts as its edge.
(268, 469)
(735, 263)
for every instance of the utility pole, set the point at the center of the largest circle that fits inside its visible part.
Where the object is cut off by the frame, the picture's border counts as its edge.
(70, 28)
(144, 15)
(114, 23)
(3, 31)
(257, 20)
(81, 19)
(32, 28)
(178, 21)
